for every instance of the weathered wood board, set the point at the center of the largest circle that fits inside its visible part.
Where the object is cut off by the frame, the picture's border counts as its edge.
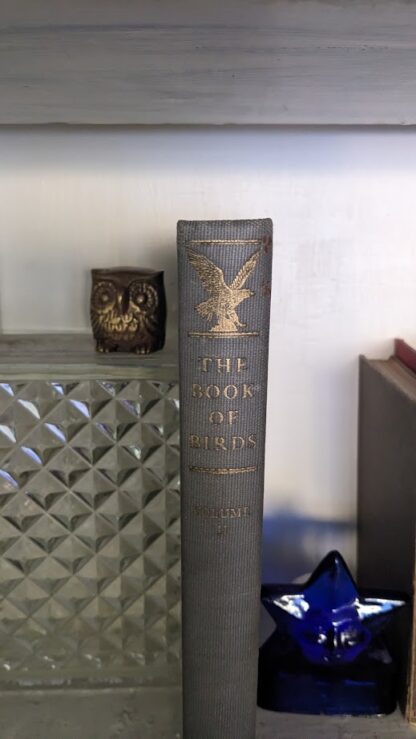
(194, 62)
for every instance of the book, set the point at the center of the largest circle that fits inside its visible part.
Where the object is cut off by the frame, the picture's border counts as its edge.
(387, 491)
(406, 354)
(225, 272)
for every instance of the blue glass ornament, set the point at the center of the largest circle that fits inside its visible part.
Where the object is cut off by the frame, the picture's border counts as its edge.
(326, 654)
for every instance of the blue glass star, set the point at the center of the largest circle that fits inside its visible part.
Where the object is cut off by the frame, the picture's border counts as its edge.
(328, 618)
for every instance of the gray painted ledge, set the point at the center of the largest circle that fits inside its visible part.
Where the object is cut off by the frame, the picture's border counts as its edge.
(286, 726)
(155, 713)
(193, 62)
(72, 356)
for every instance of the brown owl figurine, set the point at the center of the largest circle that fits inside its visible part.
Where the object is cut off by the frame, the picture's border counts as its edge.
(128, 310)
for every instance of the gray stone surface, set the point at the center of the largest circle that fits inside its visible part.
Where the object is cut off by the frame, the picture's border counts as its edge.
(155, 713)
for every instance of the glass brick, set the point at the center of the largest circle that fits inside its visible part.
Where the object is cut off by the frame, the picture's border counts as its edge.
(89, 532)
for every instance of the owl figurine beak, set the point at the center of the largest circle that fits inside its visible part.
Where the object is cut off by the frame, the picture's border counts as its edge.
(122, 302)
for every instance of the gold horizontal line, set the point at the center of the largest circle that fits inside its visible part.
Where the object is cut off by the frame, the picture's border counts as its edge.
(226, 241)
(223, 334)
(223, 470)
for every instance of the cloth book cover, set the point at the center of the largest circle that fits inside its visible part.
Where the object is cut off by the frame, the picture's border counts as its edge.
(387, 491)
(225, 272)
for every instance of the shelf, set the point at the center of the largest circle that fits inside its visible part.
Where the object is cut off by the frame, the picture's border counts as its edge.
(71, 355)
(288, 726)
(185, 62)
(155, 712)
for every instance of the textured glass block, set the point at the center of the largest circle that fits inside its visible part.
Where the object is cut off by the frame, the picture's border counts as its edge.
(89, 531)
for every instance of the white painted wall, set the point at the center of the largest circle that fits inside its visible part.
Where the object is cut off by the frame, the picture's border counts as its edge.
(344, 207)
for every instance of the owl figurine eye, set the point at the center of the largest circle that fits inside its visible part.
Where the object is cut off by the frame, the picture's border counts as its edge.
(105, 295)
(144, 296)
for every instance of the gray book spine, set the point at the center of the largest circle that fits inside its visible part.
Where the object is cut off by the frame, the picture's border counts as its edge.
(225, 272)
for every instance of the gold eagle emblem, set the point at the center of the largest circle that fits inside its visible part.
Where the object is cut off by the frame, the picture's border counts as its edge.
(224, 298)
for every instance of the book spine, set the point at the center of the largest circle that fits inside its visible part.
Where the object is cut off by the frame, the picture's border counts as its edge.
(405, 354)
(225, 272)
(386, 499)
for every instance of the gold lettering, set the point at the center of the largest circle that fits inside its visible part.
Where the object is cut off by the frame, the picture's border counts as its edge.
(216, 417)
(223, 364)
(234, 512)
(222, 470)
(241, 363)
(230, 392)
(222, 443)
(232, 416)
(204, 363)
(214, 512)
(237, 442)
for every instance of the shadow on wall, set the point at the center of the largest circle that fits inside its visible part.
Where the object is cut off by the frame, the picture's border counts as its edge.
(293, 545)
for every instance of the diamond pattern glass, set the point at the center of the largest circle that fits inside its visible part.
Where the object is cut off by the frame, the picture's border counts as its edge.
(89, 532)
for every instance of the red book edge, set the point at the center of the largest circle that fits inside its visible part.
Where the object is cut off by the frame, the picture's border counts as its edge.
(405, 353)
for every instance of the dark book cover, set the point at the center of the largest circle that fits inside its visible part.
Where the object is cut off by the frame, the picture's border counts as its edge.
(225, 272)
(387, 492)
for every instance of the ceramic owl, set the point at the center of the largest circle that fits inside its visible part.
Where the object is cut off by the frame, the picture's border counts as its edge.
(128, 310)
